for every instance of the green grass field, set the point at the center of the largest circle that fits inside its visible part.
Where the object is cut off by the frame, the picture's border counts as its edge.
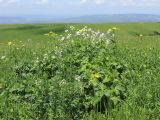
(44, 78)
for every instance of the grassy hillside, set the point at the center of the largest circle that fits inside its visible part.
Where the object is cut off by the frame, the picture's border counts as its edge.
(77, 72)
(129, 32)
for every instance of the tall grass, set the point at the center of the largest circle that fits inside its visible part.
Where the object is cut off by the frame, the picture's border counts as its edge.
(55, 79)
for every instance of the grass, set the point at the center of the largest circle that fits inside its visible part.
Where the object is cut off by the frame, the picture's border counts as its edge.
(48, 90)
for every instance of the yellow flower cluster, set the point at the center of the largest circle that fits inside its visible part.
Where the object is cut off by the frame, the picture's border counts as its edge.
(50, 34)
(115, 29)
(93, 78)
(10, 43)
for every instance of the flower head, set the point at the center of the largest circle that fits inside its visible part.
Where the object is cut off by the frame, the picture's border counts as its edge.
(9, 43)
(140, 35)
(3, 57)
(115, 28)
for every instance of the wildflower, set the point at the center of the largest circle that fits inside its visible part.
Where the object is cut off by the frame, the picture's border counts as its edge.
(3, 57)
(115, 28)
(50, 34)
(109, 31)
(66, 31)
(9, 43)
(45, 56)
(63, 82)
(53, 34)
(85, 27)
(77, 77)
(95, 76)
(72, 27)
(78, 33)
(107, 42)
(90, 29)
(140, 35)
(53, 57)
(68, 36)
(34, 53)
(46, 34)
(62, 38)
(102, 36)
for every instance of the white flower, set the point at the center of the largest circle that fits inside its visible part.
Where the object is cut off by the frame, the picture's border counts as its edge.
(53, 57)
(45, 56)
(109, 31)
(62, 38)
(37, 61)
(34, 53)
(3, 57)
(63, 82)
(66, 31)
(107, 42)
(85, 27)
(102, 36)
(78, 33)
(68, 36)
(77, 77)
(90, 29)
(72, 27)
(113, 35)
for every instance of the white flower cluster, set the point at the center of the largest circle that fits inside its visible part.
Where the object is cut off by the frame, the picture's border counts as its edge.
(87, 33)
(3, 57)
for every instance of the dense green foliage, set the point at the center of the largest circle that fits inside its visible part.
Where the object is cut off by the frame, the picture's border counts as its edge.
(71, 75)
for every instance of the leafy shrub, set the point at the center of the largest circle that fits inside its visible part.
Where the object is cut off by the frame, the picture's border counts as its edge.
(86, 60)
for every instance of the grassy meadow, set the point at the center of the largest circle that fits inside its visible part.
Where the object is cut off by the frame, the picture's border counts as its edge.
(68, 71)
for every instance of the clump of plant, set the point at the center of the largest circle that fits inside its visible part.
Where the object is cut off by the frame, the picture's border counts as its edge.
(86, 58)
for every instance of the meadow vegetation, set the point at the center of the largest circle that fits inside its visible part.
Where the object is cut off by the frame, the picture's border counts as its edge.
(80, 71)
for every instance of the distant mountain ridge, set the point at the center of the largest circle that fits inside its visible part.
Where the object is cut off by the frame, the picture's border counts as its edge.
(114, 18)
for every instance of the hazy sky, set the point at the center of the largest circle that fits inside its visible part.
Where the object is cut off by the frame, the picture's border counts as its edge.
(77, 7)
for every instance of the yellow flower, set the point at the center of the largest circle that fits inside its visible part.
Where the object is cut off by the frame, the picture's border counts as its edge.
(9, 43)
(50, 34)
(53, 34)
(115, 28)
(93, 79)
(95, 76)
(46, 34)
(109, 30)
(80, 31)
(140, 35)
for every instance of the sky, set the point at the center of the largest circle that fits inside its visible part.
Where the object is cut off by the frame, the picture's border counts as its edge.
(77, 7)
